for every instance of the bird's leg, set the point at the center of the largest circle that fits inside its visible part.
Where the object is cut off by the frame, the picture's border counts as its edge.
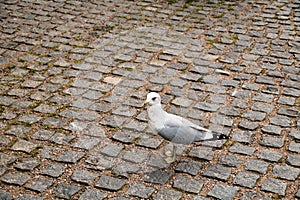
(171, 155)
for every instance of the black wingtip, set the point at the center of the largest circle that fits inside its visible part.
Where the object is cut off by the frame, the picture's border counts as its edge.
(223, 137)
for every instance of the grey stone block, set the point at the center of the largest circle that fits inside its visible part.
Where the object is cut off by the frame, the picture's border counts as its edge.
(274, 186)
(157, 177)
(136, 155)
(242, 149)
(257, 165)
(286, 172)
(83, 176)
(203, 153)
(217, 172)
(53, 170)
(39, 184)
(66, 191)
(140, 190)
(70, 156)
(272, 142)
(270, 155)
(188, 184)
(223, 192)
(92, 194)
(230, 160)
(189, 166)
(15, 178)
(110, 183)
(165, 194)
(246, 179)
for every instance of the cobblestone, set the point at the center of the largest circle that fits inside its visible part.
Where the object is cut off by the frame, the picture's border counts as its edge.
(218, 172)
(83, 176)
(274, 185)
(257, 165)
(66, 191)
(230, 160)
(74, 76)
(246, 179)
(110, 183)
(223, 192)
(16, 178)
(92, 194)
(242, 149)
(187, 184)
(190, 167)
(270, 155)
(139, 190)
(286, 172)
(164, 194)
(272, 142)
(157, 177)
(6, 159)
(53, 170)
(39, 184)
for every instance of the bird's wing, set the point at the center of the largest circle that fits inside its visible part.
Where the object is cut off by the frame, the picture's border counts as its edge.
(180, 130)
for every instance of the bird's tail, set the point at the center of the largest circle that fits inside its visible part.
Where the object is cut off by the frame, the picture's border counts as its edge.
(212, 136)
(217, 137)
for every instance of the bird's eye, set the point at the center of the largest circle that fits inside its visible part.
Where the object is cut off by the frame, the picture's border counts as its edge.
(153, 99)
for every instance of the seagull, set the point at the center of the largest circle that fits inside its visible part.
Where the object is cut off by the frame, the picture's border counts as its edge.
(174, 128)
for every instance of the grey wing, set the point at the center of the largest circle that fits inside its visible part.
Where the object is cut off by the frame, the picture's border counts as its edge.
(179, 130)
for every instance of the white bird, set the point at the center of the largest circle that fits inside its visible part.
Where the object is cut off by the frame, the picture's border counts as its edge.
(175, 128)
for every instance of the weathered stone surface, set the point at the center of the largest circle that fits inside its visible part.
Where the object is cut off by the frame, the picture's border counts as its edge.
(293, 159)
(189, 166)
(15, 179)
(53, 170)
(125, 169)
(286, 172)
(139, 190)
(188, 184)
(23, 145)
(272, 142)
(27, 164)
(164, 194)
(66, 191)
(110, 183)
(271, 129)
(270, 155)
(135, 155)
(70, 156)
(242, 136)
(204, 153)
(39, 184)
(112, 150)
(241, 149)
(92, 194)
(253, 195)
(157, 177)
(6, 159)
(246, 179)
(87, 143)
(274, 186)
(230, 160)
(223, 192)
(5, 195)
(218, 172)
(257, 166)
(83, 176)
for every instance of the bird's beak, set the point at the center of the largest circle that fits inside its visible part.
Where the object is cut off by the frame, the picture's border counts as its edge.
(146, 102)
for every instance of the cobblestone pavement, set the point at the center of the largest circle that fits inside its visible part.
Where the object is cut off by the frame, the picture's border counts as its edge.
(74, 75)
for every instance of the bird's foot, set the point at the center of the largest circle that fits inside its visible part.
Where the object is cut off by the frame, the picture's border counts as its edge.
(169, 153)
(170, 159)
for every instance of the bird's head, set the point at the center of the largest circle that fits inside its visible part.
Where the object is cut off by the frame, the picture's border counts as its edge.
(153, 98)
